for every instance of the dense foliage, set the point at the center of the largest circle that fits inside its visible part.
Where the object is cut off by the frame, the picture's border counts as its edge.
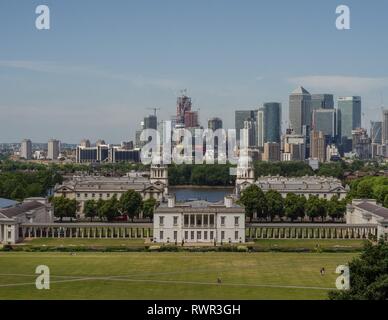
(370, 188)
(206, 174)
(270, 205)
(368, 275)
(22, 180)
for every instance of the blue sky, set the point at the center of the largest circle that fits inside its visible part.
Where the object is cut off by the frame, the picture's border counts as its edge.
(102, 63)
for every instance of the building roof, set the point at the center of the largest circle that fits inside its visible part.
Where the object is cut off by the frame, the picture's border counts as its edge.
(300, 90)
(20, 209)
(374, 209)
(200, 206)
(6, 203)
(301, 184)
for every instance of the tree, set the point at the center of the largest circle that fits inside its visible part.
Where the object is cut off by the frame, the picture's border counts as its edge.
(149, 207)
(275, 204)
(368, 275)
(64, 207)
(335, 208)
(254, 202)
(294, 206)
(90, 209)
(386, 201)
(110, 208)
(313, 207)
(99, 204)
(130, 203)
(365, 190)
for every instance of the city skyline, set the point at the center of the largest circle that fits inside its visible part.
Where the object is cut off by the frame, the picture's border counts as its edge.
(91, 83)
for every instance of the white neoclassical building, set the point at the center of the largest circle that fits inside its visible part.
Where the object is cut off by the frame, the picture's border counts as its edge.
(368, 212)
(83, 188)
(32, 210)
(323, 187)
(199, 222)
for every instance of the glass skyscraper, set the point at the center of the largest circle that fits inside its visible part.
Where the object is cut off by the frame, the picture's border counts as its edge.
(350, 108)
(322, 101)
(300, 110)
(272, 120)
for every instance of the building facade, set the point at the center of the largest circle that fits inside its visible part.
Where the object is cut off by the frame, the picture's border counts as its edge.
(26, 149)
(368, 212)
(53, 149)
(300, 110)
(199, 222)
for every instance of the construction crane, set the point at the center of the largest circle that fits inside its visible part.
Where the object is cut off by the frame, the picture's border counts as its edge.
(154, 109)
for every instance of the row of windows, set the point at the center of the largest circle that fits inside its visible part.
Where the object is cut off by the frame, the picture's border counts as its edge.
(198, 220)
(201, 235)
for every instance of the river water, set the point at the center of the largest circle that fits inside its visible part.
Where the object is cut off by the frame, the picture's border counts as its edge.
(202, 193)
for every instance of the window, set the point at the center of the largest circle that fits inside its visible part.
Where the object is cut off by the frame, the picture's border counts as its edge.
(108, 195)
(192, 220)
(236, 221)
(199, 220)
(192, 235)
(222, 235)
(222, 221)
(186, 235)
(211, 235)
(100, 195)
(78, 195)
(205, 220)
(9, 234)
(175, 235)
(161, 221)
(236, 235)
(186, 220)
(175, 221)
(212, 220)
(93, 195)
(205, 235)
(85, 195)
(199, 235)
(161, 235)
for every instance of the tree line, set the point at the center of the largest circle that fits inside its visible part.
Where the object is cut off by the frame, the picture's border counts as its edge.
(130, 204)
(271, 205)
(19, 181)
(370, 188)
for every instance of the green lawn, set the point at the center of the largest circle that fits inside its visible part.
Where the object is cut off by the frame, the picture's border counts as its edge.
(58, 242)
(171, 275)
(309, 243)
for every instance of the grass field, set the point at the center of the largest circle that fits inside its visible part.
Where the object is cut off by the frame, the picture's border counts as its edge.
(181, 275)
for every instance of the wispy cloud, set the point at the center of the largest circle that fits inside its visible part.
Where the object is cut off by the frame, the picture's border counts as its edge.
(87, 70)
(341, 83)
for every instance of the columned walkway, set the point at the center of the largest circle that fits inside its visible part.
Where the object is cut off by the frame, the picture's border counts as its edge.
(87, 230)
(309, 231)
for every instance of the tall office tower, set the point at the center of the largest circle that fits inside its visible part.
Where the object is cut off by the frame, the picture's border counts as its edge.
(271, 152)
(261, 128)
(250, 136)
(85, 143)
(384, 135)
(191, 119)
(362, 144)
(240, 117)
(53, 149)
(150, 122)
(26, 149)
(300, 110)
(183, 105)
(272, 120)
(376, 132)
(326, 120)
(318, 146)
(214, 124)
(350, 108)
(322, 101)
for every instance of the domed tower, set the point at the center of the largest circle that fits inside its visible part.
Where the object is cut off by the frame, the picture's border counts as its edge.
(245, 174)
(159, 175)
